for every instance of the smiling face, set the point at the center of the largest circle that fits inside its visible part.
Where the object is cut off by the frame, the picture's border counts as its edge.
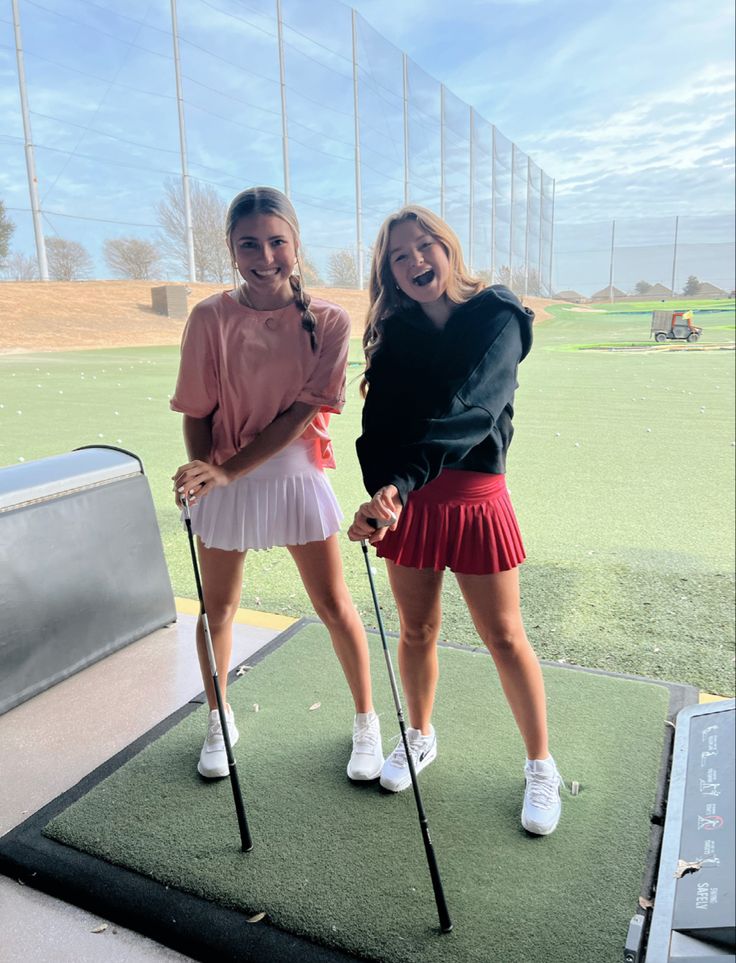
(264, 249)
(419, 263)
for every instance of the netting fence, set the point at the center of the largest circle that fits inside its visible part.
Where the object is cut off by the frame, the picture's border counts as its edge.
(311, 100)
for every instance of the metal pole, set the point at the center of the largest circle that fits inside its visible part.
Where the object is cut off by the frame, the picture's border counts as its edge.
(43, 266)
(674, 256)
(188, 229)
(471, 193)
(493, 203)
(541, 231)
(358, 186)
(284, 119)
(442, 151)
(511, 217)
(526, 221)
(406, 128)
(610, 273)
(552, 237)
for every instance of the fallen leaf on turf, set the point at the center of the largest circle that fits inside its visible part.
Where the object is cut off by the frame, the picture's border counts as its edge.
(255, 919)
(646, 903)
(315, 705)
(99, 929)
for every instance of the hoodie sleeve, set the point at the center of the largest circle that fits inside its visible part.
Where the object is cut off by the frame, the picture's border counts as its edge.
(411, 453)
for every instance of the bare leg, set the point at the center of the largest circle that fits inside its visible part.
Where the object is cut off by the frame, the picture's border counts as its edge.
(417, 594)
(222, 581)
(494, 604)
(320, 567)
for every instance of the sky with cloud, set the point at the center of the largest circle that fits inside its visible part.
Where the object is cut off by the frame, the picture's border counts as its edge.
(628, 106)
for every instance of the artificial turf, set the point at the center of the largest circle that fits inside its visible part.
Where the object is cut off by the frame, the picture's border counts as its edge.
(621, 472)
(344, 865)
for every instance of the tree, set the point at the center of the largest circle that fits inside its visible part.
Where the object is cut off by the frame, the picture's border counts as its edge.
(131, 257)
(310, 274)
(20, 267)
(211, 256)
(642, 287)
(692, 286)
(342, 270)
(6, 232)
(68, 260)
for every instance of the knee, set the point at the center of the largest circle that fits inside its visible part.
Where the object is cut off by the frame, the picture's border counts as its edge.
(504, 638)
(221, 613)
(335, 609)
(419, 634)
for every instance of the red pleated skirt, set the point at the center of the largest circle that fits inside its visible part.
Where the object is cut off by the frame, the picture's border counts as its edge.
(463, 520)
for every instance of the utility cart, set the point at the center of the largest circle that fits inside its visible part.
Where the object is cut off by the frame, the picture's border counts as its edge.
(674, 326)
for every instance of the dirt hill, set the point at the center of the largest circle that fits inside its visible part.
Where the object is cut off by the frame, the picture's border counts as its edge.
(61, 315)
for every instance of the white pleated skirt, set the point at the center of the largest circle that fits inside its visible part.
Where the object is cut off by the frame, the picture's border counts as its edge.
(285, 501)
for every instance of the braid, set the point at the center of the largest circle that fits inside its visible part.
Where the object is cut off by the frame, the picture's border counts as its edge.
(303, 300)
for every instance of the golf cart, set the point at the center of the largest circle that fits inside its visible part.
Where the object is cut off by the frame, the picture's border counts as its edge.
(674, 326)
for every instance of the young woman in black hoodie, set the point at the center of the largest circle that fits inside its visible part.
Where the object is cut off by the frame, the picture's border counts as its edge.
(442, 353)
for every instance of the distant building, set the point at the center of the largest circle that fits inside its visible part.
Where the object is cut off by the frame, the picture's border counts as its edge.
(708, 290)
(573, 296)
(605, 294)
(658, 291)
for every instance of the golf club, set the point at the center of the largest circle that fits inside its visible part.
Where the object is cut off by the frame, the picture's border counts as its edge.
(444, 915)
(245, 837)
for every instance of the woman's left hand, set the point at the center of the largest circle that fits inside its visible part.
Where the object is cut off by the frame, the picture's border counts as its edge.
(195, 479)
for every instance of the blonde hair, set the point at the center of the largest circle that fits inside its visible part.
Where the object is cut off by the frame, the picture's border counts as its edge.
(386, 298)
(267, 200)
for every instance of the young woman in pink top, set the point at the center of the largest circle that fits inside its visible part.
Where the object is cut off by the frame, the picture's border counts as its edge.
(262, 367)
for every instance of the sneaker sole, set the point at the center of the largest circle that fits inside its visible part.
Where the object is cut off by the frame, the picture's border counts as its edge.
(218, 773)
(406, 782)
(540, 832)
(365, 778)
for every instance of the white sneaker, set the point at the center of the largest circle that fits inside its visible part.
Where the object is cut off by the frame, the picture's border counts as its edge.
(367, 756)
(542, 804)
(395, 775)
(213, 758)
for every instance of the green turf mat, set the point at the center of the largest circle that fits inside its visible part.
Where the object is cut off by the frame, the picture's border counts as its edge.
(345, 865)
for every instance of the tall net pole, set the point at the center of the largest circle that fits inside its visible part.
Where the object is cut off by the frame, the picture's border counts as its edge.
(405, 61)
(443, 148)
(282, 86)
(493, 204)
(186, 195)
(43, 266)
(358, 184)
(471, 192)
(674, 257)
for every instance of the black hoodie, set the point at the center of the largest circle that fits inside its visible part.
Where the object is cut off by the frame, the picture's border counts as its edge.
(443, 399)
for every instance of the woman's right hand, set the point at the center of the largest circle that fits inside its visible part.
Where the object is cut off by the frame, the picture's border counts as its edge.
(195, 479)
(384, 506)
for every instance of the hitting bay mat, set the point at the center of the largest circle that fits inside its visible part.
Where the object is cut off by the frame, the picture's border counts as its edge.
(340, 869)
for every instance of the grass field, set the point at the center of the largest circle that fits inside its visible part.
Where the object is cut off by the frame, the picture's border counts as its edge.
(621, 471)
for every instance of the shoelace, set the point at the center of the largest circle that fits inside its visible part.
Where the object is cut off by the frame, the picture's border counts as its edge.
(365, 736)
(398, 756)
(543, 790)
(214, 729)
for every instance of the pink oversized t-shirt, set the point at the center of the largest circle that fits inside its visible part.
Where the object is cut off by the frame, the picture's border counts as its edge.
(245, 367)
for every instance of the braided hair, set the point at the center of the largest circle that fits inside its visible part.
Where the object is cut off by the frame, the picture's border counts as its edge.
(267, 200)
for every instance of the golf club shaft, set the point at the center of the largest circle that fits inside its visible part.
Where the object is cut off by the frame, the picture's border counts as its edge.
(245, 837)
(439, 895)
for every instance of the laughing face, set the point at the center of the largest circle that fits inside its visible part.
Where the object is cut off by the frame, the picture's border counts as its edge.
(265, 253)
(419, 263)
